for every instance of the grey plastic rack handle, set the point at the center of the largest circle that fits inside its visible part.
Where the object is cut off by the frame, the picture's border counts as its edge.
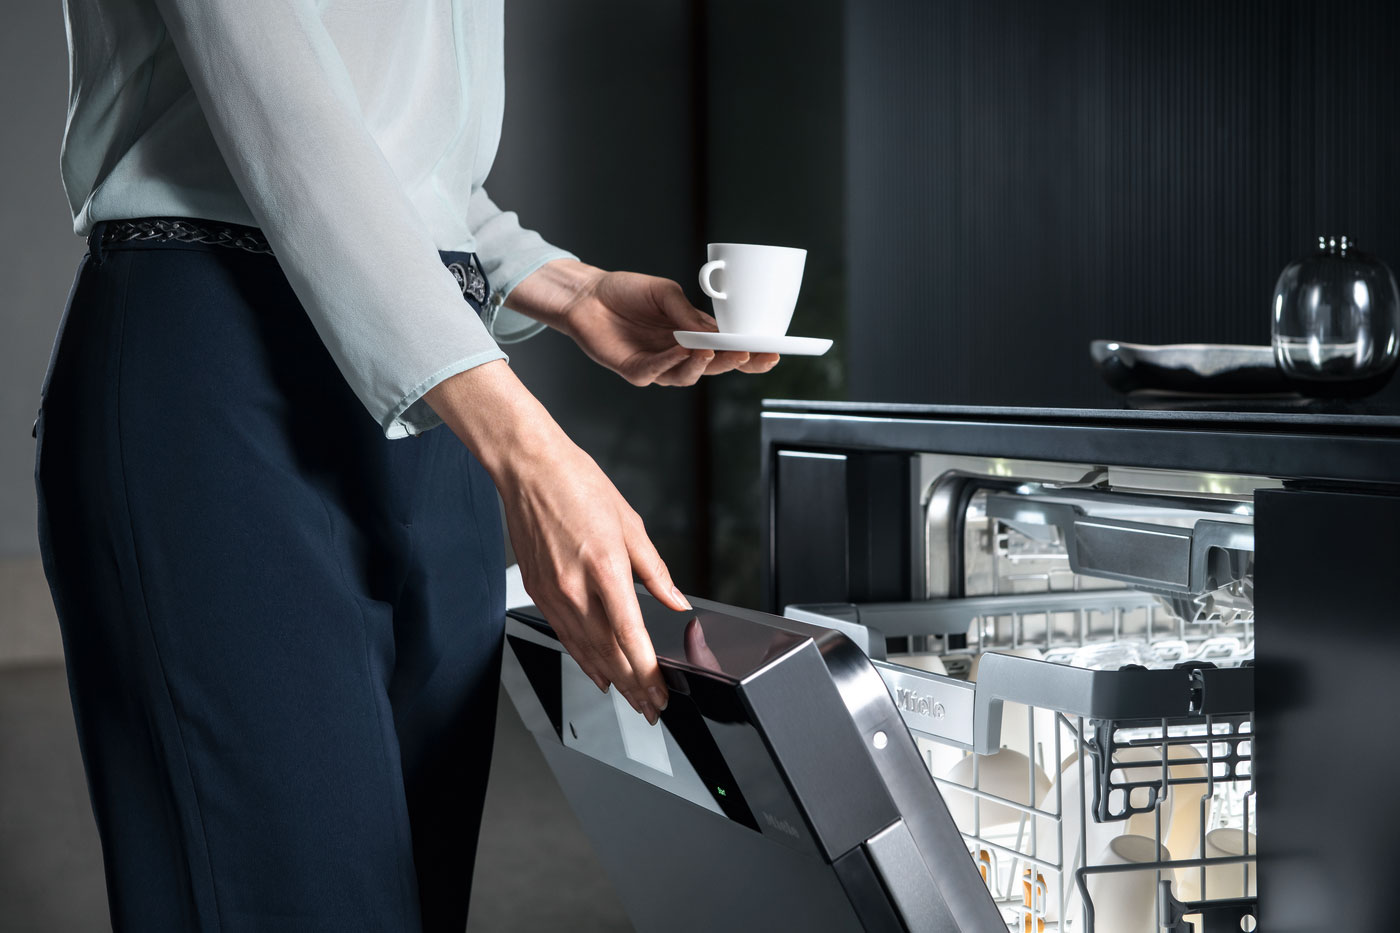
(866, 623)
(1134, 693)
(1156, 557)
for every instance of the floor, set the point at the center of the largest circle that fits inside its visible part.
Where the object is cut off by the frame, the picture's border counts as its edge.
(535, 872)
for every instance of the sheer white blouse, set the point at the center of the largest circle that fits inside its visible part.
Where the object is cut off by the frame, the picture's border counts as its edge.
(356, 135)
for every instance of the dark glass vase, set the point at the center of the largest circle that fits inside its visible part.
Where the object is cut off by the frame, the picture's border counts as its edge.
(1336, 318)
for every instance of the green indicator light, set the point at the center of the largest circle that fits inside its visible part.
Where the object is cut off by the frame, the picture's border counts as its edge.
(721, 792)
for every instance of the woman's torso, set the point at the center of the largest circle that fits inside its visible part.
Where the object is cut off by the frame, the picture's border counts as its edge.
(427, 75)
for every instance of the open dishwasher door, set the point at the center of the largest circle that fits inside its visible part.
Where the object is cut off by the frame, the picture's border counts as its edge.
(780, 791)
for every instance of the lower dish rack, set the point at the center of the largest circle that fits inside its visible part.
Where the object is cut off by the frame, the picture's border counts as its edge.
(1117, 800)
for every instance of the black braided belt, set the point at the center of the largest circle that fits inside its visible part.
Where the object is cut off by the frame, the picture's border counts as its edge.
(171, 230)
(470, 277)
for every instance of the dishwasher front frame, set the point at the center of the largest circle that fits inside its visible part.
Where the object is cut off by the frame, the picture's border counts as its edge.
(1326, 552)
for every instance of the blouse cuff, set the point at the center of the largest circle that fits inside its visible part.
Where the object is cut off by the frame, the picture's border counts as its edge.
(505, 325)
(413, 415)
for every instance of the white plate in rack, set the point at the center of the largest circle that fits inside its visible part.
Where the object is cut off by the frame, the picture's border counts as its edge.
(752, 343)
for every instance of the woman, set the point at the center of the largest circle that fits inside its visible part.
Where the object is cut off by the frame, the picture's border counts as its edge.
(282, 621)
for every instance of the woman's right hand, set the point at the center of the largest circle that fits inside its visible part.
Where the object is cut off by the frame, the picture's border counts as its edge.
(578, 541)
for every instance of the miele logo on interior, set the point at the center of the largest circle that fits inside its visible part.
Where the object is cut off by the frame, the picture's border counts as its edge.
(782, 826)
(919, 704)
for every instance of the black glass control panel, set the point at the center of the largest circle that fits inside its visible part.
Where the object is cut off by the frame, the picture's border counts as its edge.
(705, 657)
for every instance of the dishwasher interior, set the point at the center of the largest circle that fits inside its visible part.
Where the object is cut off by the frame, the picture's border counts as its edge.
(1078, 676)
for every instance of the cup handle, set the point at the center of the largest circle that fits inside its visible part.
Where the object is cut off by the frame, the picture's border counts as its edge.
(705, 272)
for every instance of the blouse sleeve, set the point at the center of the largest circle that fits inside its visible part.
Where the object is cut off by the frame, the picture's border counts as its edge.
(508, 253)
(284, 112)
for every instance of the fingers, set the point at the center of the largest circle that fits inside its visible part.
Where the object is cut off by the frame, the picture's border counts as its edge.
(579, 544)
(656, 366)
(688, 371)
(626, 657)
(594, 636)
(724, 362)
(569, 626)
(670, 297)
(709, 322)
(599, 622)
(707, 363)
(642, 683)
(651, 569)
(759, 363)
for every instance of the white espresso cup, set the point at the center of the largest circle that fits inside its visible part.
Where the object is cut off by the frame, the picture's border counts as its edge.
(1229, 880)
(1007, 774)
(754, 288)
(1126, 902)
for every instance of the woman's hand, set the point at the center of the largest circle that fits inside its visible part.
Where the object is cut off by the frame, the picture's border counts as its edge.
(578, 541)
(624, 321)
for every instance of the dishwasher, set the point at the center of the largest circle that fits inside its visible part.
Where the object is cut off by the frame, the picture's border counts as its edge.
(1009, 679)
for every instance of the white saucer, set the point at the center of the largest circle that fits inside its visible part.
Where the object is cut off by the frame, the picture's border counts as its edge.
(752, 343)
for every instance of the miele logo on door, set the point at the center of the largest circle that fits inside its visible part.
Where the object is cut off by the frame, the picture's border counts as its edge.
(782, 826)
(915, 702)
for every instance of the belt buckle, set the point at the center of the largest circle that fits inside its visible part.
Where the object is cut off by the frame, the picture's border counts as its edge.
(469, 280)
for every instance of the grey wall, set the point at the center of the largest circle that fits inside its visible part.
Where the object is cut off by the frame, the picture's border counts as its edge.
(38, 251)
(38, 255)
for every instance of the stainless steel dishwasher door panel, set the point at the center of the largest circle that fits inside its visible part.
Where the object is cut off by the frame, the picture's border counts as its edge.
(780, 791)
(682, 868)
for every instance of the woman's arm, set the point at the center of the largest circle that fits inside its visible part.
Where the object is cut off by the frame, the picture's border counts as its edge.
(622, 320)
(578, 541)
(284, 113)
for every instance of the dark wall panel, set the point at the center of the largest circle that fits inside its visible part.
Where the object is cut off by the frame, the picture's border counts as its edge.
(584, 84)
(1023, 177)
(773, 174)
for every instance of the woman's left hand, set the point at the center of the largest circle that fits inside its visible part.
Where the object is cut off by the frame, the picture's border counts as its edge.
(625, 321)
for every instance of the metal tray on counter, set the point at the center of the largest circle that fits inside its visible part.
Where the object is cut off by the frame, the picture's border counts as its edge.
(1190, 368)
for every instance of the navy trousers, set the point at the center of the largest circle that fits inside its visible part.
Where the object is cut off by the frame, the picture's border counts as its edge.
(282, 630)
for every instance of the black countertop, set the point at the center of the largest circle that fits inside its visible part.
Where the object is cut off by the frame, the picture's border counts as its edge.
(1308, 416)
(1311, 443)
